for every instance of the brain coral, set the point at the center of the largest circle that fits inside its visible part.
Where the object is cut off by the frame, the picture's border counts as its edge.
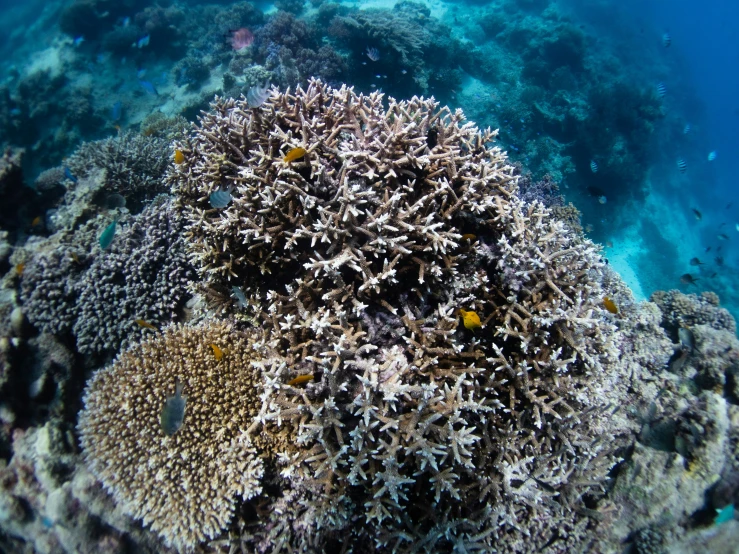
(415, 432)
(184, 486)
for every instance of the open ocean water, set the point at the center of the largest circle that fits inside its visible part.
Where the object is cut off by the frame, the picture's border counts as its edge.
(269, 285)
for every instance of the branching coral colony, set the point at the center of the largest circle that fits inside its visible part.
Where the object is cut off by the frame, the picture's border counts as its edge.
(355, 258)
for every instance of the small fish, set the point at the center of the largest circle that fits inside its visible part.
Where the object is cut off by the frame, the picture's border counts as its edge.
(469, 237)
(220, 199)
(117, 110)
(713, 275)
(722, 236)
(729, 205)
(610, 305)
(724, 514)
(19, 268)
(403, 71)
(708, 249)
(602, 199)
(143, 41)
(719, 260)
(37, 221)
(589, 228)
(688, 279)
(737, 227)
(593, 166)
(661, 90)
(373, 54)
(666, 40)
(173, 412)
(126, 21)
(695, 261)
(217, 352)
(68, 175)
(300, 380)
(149, 87)
(240, 296)
(75, 258)
(609, 244)
(78, 40)
(107, 236)
(470, 319)
(681, 165)
(712, 155)
(145, 324)
(179, 157)
(294, 154)
(686, 129)
(140, 73)
(697, 214)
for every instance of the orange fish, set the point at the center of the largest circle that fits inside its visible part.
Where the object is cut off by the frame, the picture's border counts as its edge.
(179, 157)
(19, 268)
(300, 380)
(217, 352)
(294, 154)
(145, 324)
(469, 237)
(470, 319)
(36, 221)
(610, 305)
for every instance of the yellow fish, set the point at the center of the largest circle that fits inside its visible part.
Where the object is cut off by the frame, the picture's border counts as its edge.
(179, 157)
(217, 352)
(470, 319)
(36, 221)
(300, 380)
(610, 305)
(145, 324)
(19, 268)
(294, 154)
(469, 237)
(75, 258)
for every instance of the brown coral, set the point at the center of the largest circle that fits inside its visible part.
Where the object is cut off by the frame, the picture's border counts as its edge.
(184, 486)
(354, 261)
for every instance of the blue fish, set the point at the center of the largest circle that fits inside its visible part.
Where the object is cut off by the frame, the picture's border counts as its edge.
(68, 175)
(107, 236)
(712, 156)
(220, 199)
(149, 88)
(140, 73)
(143, 41)
(78, 40)
(724, 514)
(240, 296)
(117, 110)
(173, 412)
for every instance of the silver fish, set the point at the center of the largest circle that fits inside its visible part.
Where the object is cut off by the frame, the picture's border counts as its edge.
(173, 412)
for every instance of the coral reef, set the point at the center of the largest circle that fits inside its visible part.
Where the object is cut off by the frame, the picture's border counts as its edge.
(98, 295)
(133, 164)
(687, 310)
(183, 486)
(354, 260)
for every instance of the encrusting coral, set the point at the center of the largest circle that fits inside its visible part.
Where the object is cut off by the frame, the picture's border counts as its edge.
(183, 486)
(355, 258)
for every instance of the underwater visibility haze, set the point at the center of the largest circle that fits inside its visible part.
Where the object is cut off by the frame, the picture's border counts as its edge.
(384, 276)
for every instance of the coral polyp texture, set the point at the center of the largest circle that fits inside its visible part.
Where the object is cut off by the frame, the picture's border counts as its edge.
(414, 431)
(183, 486)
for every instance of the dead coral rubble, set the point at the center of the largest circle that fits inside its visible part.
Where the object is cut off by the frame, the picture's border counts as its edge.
(415, 433)
(183, 486)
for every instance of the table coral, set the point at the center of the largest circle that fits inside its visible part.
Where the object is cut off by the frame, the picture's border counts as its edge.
(184, 486)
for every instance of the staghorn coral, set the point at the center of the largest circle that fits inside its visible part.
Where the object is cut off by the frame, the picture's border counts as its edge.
(184, 486)
(133, 163)
(420, 434)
